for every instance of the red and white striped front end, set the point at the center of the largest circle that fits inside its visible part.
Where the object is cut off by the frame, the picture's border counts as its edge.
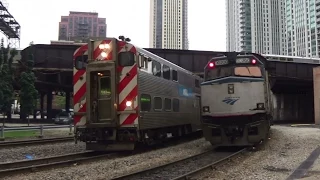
(106, 95)
(79, 88)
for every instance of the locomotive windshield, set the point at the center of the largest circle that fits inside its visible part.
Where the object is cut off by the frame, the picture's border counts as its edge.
(225, 71)
(248, 71)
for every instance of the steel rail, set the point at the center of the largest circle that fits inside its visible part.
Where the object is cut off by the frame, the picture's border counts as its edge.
(148, 170)
(34, 141)
(209, 166)
(47, 162)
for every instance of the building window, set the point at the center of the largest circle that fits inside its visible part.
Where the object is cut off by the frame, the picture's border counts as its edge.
(157, 103)
(167, 104)
(145, 102)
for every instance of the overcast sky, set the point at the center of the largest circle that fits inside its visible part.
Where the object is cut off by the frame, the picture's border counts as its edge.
(39, 20)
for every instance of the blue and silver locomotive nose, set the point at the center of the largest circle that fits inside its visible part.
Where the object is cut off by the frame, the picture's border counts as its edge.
(233, 87)
(235, 100)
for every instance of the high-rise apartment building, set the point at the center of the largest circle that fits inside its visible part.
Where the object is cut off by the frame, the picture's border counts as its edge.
(301, 27)
(169, 24)
(82, 26)
(268, 26)
(238, 25)
(317, 12)
(256, 26)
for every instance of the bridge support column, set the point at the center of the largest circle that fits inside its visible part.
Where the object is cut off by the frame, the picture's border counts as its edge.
(42, 104)
(316, 94)
(67, 106)
(35, 110)
(49, 104)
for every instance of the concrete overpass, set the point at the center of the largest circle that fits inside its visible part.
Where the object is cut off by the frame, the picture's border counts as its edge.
(292, 78)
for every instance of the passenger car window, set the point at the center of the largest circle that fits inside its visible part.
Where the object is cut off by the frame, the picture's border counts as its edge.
(174, 75)
(157, 103)
(175, 105)
(167, 104)
(145, 101)
(156, 68)
(166, 72)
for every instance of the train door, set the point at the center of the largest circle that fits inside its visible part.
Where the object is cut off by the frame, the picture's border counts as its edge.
(102, 93)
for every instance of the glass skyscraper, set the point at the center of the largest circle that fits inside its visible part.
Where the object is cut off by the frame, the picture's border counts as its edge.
(301, 26)
(256, 26)
(169, 24)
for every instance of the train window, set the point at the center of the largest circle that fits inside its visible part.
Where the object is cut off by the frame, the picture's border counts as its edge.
(145, 102)
(167, 104)
(157, 103)
(252, 71)
(156, 68)
(197, 83)
(126, 58)
(166, 72)
(105, 87)
(219, 72)
(81, 62)
(146, 62)
(175, 105)
(141, 61)
(174, 75)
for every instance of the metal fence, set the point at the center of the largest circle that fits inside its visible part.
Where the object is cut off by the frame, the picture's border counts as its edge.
(41, 128)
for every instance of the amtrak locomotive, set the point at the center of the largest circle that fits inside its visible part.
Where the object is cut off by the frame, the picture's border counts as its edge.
(237, 103)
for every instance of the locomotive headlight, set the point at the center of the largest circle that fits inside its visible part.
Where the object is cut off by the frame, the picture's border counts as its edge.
(205, 109)
(260, 106)
(104, 46)
(104, 54)
(128, 103)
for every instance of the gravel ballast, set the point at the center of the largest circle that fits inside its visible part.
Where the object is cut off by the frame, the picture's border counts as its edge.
(180, 168)
(106, 169)
(283, 153)
(39, 151)
(277, 159)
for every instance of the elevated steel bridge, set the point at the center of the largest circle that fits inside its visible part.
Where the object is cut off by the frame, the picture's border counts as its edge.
(292, 77)
(54, 61)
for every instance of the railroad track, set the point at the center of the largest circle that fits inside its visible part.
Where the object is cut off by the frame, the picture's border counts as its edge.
(10, 168)
(183, 168)
(34, 141)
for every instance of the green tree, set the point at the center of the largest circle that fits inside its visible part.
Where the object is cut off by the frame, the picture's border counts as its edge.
(28, 93)
(6, 80)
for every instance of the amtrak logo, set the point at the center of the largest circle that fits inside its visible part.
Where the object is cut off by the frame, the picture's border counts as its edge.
(231, 100)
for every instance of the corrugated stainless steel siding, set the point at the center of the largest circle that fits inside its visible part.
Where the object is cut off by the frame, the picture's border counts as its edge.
(158, 87)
